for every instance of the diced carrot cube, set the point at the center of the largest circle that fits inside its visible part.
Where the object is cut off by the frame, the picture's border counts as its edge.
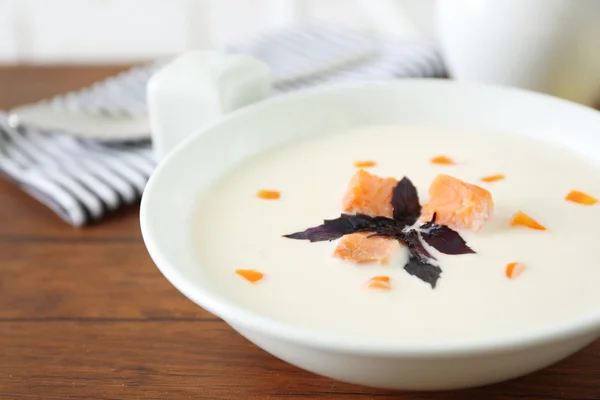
(493, 178)
(442, 160)
(364, 164)
(522, 219)
(268, 194)
(379, 282)
(250, 275)
(514, 269)
(581, 198)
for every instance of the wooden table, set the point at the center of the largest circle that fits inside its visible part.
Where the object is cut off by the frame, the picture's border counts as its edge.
(84, 313)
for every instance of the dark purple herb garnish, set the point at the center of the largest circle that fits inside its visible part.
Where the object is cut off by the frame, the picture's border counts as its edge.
(443, 238)
(423, 268)
(405, 202)
(406, 212)
(415, 244)
(346, 224)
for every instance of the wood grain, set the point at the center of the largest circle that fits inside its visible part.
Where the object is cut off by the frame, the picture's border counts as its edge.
(79, 279)
(207, 360)
(84, 313)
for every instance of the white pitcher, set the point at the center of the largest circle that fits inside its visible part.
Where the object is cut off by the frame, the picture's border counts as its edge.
(550, 46)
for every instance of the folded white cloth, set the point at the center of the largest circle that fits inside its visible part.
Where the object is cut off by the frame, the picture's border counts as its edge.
(82, 180)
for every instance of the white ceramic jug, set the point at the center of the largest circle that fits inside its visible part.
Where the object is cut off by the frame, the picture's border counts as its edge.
(549, 46)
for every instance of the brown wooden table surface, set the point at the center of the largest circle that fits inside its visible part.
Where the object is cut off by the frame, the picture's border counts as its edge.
(84, 313)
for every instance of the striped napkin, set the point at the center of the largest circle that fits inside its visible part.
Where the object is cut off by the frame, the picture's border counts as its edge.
(83, 180)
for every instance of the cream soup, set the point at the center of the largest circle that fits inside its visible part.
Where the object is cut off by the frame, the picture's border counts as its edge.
(306, 286)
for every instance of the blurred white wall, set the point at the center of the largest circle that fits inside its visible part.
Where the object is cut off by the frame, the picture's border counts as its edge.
(113, 31)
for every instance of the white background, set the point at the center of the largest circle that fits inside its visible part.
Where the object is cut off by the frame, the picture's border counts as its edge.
(113, 31)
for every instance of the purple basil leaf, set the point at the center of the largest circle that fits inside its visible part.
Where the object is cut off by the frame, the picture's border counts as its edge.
(433, 218)
(413, 240)
(423, 269)
(444, 239)
(344, 225)
(405, 202)
(410, 238)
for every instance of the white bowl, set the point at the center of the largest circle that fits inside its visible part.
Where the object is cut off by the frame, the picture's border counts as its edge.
(198, 162)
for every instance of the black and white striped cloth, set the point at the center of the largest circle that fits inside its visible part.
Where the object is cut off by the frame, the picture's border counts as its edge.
(82, 180)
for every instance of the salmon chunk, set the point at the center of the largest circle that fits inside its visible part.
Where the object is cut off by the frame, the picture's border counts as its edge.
(369, 194)
(359, 248)
(458, 204)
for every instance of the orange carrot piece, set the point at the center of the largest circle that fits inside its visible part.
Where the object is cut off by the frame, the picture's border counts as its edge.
(364, 164)
(581, 198)
(442, 160)
(522, 219)
(514, 269)
(268, 194)
(493, 178)
(250, 275)
(379, 282)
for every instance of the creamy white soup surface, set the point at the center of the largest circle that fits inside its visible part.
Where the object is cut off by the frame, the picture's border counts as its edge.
(304, 285)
